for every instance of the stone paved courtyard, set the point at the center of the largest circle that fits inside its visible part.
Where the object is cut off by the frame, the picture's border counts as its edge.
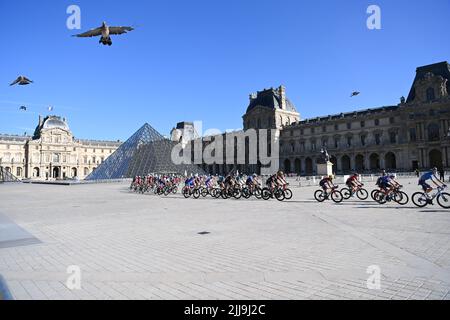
(131, 246)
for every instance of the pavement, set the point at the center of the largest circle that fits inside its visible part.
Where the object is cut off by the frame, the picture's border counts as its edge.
(103, 242)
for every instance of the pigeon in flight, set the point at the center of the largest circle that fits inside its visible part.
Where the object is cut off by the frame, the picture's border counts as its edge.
(21, 81)
(23, 108)
(104, 32)
(355, 93)
(50, 108)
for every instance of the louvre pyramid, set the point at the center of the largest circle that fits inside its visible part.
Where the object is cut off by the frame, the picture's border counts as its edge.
(147, 151)
(6, 176)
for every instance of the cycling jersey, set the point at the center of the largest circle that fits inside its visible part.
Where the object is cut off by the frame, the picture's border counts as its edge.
(426, 176)
(352, 179)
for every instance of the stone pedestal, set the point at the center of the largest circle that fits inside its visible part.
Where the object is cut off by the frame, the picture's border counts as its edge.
(325, 169)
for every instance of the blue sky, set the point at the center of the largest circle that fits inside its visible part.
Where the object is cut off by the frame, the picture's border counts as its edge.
(199, 60)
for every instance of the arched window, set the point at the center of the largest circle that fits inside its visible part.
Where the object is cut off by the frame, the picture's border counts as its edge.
(430, 95)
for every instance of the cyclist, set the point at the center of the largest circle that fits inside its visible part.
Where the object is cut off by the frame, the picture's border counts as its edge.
(252, 182)
(431, 176)
(353, 183)
(327, 184)
(281, 179)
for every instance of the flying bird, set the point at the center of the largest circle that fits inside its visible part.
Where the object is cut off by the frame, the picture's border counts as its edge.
(355, 93)
(21, 81)
(50, 108)
(104, 32)
(23, 108)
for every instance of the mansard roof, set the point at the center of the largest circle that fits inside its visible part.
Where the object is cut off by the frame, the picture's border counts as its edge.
(438, 69)
(269, 98)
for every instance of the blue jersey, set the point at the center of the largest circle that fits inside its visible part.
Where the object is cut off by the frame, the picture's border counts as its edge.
(426, 176)
(249, 180)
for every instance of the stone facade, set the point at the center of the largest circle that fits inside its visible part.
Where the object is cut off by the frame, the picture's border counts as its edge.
(411, 135)
(52, 153)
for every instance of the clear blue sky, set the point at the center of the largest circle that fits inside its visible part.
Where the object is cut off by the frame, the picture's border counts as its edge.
(200, 59)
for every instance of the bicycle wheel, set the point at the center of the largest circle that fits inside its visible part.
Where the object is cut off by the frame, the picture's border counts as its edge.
(204, 192)
(380, 197)
(319, 195)
(175, 190)
(224, 194)
(279, 195)
(196, 193)
(362, 194)
(266, 194)
(346, 193)
(246, 193)
(237, 194)
(444, 200)
(337, 196)
(373, 194)
(257, 193)
(186, 192)
(288, 194)
(419, 199)
(401, 198)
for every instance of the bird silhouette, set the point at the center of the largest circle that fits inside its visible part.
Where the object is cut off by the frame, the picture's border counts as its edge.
(21, 81)
(104, 32)
(355, 93)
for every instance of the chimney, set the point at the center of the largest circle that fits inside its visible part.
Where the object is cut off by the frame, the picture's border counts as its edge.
(282, 93)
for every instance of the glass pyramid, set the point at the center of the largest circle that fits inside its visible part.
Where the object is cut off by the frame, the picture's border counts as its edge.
(147, 151)
(6, 176)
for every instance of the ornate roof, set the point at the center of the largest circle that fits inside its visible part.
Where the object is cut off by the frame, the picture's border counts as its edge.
(50, 122)
(438, 69)
(271, 98)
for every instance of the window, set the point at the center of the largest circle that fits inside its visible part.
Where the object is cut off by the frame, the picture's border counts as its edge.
(412, 134)
(19, 172)
(377, 122)
(313, 146)
(85, 160)
(336, 127)
(301, 132)
(302, 144)
(391, 120)
(324, 143)
(430, 95)
(349, 125)
(349, 141)
(363, 124)
(433, 132)
(336, 143)
(324, 129)
(393, 137)
(363, 140)
(377, 139)
(312, 130)
(56, 157)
